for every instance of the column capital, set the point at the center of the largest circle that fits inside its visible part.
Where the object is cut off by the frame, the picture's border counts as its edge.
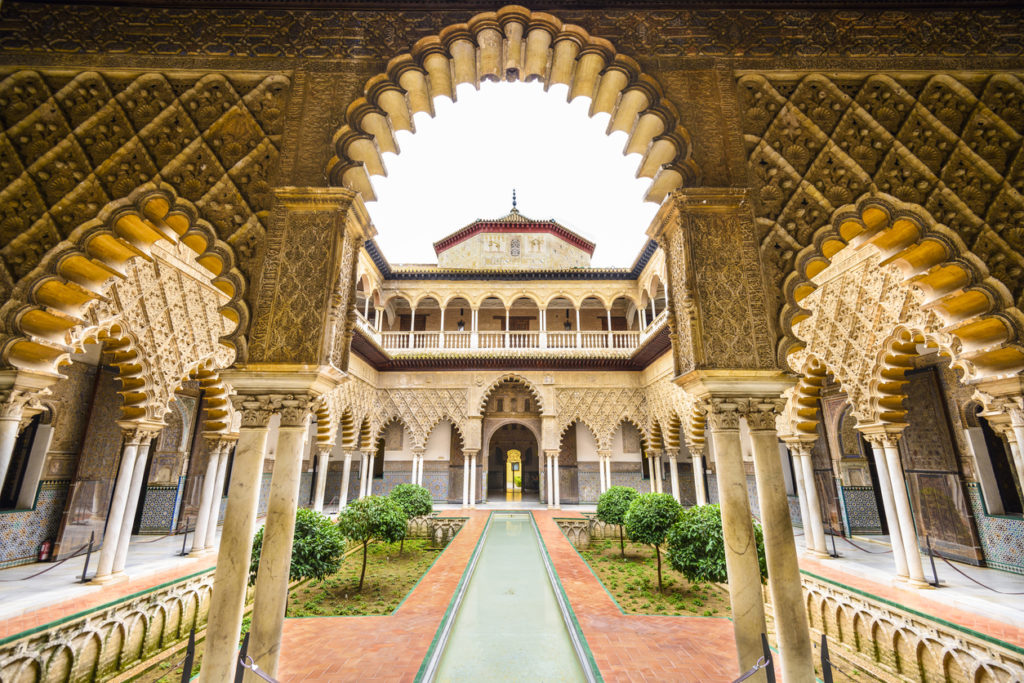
(139, 433)
(760, 413)
(800, 446)
(324, 448)
(722, 414)
(604, 453)
(255, 409)
(882, 435)
(552, 453)
(295, 409)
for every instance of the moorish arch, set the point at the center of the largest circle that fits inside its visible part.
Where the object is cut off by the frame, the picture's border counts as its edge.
(884, 268)
(150, 280)
(509, 377)
(512, 44)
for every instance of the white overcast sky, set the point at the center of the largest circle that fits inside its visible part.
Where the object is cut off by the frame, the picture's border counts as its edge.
(463, 163)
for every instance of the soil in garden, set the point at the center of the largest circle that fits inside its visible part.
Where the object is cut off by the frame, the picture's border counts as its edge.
(389, 578)
(633, 581)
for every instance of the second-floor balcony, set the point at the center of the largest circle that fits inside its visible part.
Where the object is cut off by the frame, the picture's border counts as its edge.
(457, 343)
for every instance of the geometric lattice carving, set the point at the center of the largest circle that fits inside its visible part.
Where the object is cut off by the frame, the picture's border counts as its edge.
(602, 410)
(953, 147)
(69, 147)
(420, 410)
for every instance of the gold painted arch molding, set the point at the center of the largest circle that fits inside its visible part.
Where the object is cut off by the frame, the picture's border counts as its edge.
(48, 314)
(973, 306)
(514, 44)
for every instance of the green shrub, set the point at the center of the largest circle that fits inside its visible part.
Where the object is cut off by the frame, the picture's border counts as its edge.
(317, 550)
(649, 518)
(414, 500)
(612, 507)
(373, 518)
(696, 547)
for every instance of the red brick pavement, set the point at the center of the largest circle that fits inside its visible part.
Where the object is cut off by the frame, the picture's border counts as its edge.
(626, 648)
(634, 647)
(919, 601)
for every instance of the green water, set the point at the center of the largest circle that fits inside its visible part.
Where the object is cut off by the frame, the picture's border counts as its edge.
(509, 626)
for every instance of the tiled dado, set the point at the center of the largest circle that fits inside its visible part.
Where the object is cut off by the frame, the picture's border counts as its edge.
(1002, 537)
(21, 531)
(861, 509)
(160, 508)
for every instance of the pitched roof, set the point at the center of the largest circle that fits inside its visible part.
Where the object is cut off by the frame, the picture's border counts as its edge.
(514, 222)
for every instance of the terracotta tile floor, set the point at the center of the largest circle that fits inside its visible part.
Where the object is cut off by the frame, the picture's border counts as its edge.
(626, 648)
(918, 600)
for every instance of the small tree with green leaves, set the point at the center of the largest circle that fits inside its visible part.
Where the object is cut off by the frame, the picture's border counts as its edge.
(649, 518)
(415, 502)
(373, 518)
(612, 507)
(696, 546)
(317, 550)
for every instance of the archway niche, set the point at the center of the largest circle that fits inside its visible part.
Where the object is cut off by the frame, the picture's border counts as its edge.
(512, 422)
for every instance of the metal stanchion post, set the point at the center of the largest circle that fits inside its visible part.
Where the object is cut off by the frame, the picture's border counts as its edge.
(769, 670)
(239, 668)
(931, 556)
(190, 655)
(826, 662)
(88, 554)
(184, 538)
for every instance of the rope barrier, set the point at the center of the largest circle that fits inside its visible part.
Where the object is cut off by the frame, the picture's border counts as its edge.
(77, 553)
(762, 663)
(251, 666)
(865, 550)
(971, 578)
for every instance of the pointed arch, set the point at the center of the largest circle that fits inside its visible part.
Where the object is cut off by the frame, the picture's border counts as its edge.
(626, 419)
(509, 377)
(511, 44)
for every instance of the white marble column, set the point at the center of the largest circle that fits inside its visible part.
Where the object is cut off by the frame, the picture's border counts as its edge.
(699, 490)
(911, 546)
(271, 592)
(218, 488)
(1016, 444)
(369, 473)
(232, 573)
(814, 526)
(674, 474)
(810, 542)
(608, 471)
(128, 520)
(472, 478)
(363, 478)
(214, 448)
(550, 480)
(602, 457)
(10, 419)
(346, 476)
(660, 471)
(789, 610)
(133, 436)
(742, 566)
(557, 478)
(899, 554)
(323, 457)
(465, 479)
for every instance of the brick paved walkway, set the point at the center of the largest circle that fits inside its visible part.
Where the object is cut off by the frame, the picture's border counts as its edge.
(626, 648)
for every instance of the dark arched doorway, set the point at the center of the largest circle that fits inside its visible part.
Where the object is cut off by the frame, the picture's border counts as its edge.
(511, 439)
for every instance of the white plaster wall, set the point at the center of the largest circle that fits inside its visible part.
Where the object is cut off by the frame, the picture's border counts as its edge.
(439, 443)
(619, 454)
(586, 444)
(405, 452)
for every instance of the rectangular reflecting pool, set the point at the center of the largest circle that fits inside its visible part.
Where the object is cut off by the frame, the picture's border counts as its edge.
(509, 625)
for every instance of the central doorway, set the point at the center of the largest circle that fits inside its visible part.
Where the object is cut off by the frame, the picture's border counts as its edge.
(512, 463)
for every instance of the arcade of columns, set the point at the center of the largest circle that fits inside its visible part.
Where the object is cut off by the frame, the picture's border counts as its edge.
(882, 224)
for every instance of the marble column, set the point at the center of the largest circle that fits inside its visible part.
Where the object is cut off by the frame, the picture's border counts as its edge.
(741, 560)
(323, 457)
(10, 421)
(558, 487)
(674, 474)
(472, 477)
(653, 481)
(550, 481)
(1016, 411)
(364, 478)
(602, 458)
(911, 546)
(700, 492)
(232, 573)
(134, 435)
(369, 472)
(465, 479)
(218, 488)
(214, 448)
(346, 476)
(814, 527)
(899, 556)
(271, 593)
(790, 615)
(798, 482)
(608, 471)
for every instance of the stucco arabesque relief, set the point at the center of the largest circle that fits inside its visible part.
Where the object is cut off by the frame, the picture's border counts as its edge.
(951, 145)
